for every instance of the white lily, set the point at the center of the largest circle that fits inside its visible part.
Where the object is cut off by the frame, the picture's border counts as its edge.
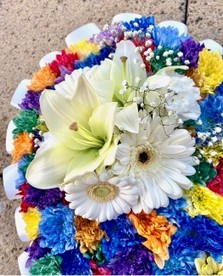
(82, 138)
(125, 66)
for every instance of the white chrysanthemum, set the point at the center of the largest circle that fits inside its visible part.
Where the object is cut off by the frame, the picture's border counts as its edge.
(102, 197)
(159, 157)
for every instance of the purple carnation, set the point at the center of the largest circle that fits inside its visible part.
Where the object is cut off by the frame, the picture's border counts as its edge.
(109, 36)
(190, 50)
(35, 252)
(135, 260)
(31, 101)
(43, 198)
(63, 72)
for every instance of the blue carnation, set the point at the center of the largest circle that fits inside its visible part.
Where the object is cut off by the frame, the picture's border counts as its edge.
(168, 37)
(22, 167)
(121, 234)
(210, 123)
(174, 212)
(178, 264)
(94, 59)
(141, 23)
(56, 229)
(74, 263)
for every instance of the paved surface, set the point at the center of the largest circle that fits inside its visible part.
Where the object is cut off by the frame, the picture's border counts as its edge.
(29, 30)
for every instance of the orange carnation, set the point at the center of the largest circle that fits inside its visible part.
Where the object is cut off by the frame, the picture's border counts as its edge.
(88, 234)
(43, 78)
(157, 230)
(23, 144)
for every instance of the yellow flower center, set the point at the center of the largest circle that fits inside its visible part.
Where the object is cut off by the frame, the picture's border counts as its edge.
(102, 192)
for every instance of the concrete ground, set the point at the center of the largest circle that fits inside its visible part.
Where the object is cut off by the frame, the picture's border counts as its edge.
(29, 29)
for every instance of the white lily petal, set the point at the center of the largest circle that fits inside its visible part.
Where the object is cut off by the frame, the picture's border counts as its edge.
(182, 28)
(48, 58)
(127, 118)
(125, 17)
(104, 90)
(85, 31)
(83, 162)
(22, 259)
(20, 92)
(103, 71)
(20, 226)
(212, 45)
(48, 168)
(9, 137)
(60, 112)
(10, 176)
(102, 121)
(133, 62)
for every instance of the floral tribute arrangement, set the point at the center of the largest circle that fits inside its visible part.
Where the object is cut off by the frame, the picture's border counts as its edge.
(119, 152)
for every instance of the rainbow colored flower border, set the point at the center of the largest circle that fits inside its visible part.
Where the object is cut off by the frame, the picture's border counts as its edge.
(173, 86)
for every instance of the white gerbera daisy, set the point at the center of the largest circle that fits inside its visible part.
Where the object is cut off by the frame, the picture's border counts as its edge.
(159, 157)
(102, 197)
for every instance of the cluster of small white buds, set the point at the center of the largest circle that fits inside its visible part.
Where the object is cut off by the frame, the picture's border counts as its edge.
(186, 62)
(179, 54)
(36, 143)
(138, 100)
(31, 135)
(137, 80)
(168, 62)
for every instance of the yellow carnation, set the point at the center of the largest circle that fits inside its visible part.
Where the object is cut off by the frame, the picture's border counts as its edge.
(32, 219)
(208, 266)
(209, 73)
(202, 201)
(84, 48)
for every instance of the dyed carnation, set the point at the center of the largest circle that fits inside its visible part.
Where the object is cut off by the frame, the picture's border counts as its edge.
(140, 24)
(88, 234)
(43, 198)
(164, 57)
(56, 229)
(49, 265)
(190, 50)
(204, 170)
(35, 252)
(202, 201)
(31, 101)
(109, 36)
(210, 123)
(25, 121)
(22, 167)
(168, 37)
(157, 231)
(32, 219)
(99, 270)
(135, 260)
(94, 59)
(216, 184)
(191, 233)
(42, 79)
(74, 263)
(209, 73)
(180, 263)
(64, 59)
(120, 235)
(23, 145)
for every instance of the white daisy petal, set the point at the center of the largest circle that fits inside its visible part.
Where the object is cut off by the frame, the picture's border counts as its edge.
(160, 162)
(100, 200)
